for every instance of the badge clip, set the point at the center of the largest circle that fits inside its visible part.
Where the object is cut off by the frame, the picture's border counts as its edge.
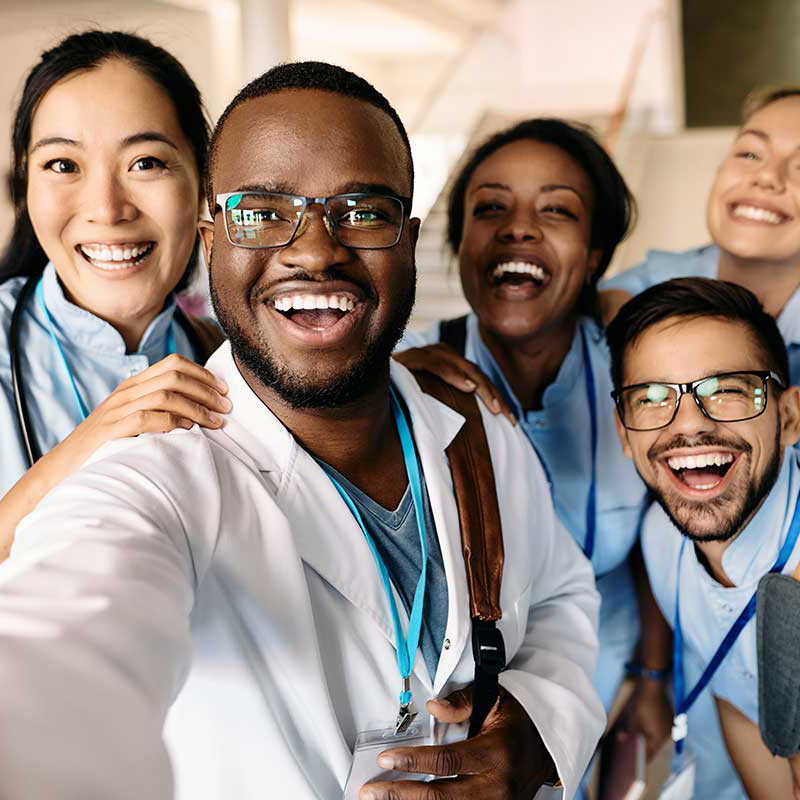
(405, 716)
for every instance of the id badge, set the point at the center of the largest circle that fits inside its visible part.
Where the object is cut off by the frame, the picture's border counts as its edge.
(680, 783)
(370, 744)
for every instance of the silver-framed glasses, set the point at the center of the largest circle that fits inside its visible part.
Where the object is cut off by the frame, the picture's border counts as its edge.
(272, 219)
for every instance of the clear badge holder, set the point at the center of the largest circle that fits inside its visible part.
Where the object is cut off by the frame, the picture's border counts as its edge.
(680, 783)
(370, 744)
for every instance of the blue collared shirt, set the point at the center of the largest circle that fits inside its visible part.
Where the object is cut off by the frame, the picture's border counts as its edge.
(560, 433)
(702, 262)
(96, 354)
(708, 609)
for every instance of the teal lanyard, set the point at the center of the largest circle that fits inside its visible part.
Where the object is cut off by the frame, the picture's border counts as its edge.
(684, 702)
(406, 645)
(83, 411)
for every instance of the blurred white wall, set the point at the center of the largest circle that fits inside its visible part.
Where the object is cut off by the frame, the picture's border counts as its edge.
(445, 65)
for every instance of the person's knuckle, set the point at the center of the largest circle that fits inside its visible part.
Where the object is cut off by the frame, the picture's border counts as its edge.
(446, 762)
(143, 416)
(176, 377)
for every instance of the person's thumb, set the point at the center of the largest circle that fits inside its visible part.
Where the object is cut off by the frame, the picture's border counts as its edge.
(456, 707)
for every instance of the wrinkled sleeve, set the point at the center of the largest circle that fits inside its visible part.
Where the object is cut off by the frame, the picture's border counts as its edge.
(94, 633)
(551, 673)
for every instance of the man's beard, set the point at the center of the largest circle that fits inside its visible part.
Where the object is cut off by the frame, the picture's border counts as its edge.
(747, 500)
(301, 390)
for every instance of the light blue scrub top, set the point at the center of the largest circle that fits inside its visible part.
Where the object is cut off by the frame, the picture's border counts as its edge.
(708, 609)
(701, 262)
(561, 435)
(96, 354)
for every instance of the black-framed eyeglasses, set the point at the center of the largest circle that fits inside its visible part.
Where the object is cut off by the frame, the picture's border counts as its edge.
(727, 397)
(270, 219)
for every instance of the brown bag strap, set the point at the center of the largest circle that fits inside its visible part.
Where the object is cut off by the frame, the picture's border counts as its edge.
(481, 541)
(476, 497)
(204, 335)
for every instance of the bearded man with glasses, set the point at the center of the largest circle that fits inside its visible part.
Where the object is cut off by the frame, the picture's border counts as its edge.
(305, 568)
(706, 412)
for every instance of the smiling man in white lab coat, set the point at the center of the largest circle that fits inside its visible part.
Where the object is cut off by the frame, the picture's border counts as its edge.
(235, 557)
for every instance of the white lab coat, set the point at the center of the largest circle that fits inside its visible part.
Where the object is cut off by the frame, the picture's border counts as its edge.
(234, 543)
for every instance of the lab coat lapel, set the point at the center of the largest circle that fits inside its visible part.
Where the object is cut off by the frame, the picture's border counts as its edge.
(345, 558)
(435, 425)
(330, 541)
(326, 535)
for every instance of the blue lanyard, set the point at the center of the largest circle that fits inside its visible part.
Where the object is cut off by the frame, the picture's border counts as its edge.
(591, 501)
(684, 702)
(406, 645)
(83, 411)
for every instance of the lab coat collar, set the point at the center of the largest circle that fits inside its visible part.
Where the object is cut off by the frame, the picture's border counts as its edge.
(255, 428)
(78, 328)
(327, 536)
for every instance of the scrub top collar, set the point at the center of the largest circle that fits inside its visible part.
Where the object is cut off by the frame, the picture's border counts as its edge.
(753, 552)
(81, 329)
(789, 318)
(569, 373)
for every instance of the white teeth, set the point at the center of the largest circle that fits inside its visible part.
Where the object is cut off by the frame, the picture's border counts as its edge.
(308, 302)
(757, 214)
(699, 461)
(112, 257)
(519, 267)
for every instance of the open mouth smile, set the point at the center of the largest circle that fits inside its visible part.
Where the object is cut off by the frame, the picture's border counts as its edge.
(707, 472)
(318, 317)
(518, 279)
(115, 257)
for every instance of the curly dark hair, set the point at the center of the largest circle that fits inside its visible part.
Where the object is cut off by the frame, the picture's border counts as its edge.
(614, 206)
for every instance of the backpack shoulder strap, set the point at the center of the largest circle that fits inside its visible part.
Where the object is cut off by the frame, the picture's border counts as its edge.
(204, 336)
(476, 497)
(481, 540)
(454, 333)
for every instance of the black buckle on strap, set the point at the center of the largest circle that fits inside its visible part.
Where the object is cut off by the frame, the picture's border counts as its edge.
(489, 653)
(488, 648)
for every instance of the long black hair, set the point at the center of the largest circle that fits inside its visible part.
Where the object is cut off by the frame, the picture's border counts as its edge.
(23, 254)
(614, 205)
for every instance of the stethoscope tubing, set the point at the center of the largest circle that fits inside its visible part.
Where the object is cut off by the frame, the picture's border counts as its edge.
(32, 449)
(20, 401)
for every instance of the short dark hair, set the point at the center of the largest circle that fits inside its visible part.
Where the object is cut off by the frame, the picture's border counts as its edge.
(614, 205)
(688, 298)
(316, 75)
(79, 52)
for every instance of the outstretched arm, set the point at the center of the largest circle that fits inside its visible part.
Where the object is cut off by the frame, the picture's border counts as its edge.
(94, 632)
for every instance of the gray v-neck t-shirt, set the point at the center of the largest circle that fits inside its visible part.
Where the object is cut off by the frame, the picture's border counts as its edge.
(396, 538)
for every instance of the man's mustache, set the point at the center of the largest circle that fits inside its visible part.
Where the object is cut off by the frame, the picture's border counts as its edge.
(680, 441)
